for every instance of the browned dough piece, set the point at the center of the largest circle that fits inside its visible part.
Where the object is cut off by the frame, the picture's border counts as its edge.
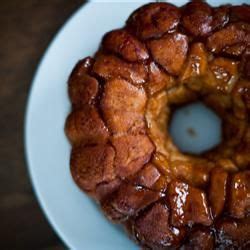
(196, 65)
(129, 199)
(225, 73)
(239, 202)
(105, 189)
(153, 230)
(241, 98)
(234, 131)
(230, 35)
(233, 234)
(217, 190)
(241, 12)
(220, 17)
(86, 126)
(110, 67)
(91, 165)
(194, 173)
(132, 152)
(197, 18)
(245, 63)
(180, 95)
(200, 239)
(125, 45)
(154, 19)
(242, 155)
(83, 90)
(111, 213)
(219, 102)
(235, 50)
(123, 106)
(170, 51)
(83, 67)
(158, 79)
(147, 176)
(188, 205)
(157, 117)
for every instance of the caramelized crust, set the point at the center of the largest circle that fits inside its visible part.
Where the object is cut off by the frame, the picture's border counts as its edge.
(201, 239)
(122, 102)
(188, 205)
(132, 152)
(235, 50)
(245, 62)
(91, 165)
(123, 107)
(193, 172)
(104, 189)
(232, 34)
(156, 121)
(197, 18)
(241, 12)
(153, 229)
(242, 156)
(83, 90)
(110, 67)
(153, 20)
(220, 17)
(233, 234)
(217, 190)
(196, 65)
(241, 99)
(129, 199)
(225, 73)
(181, 95)
(158, 79)
(239, 205)
(86, 126)
(170, 51)
(125, 45)
(147, 177)
(83, 67)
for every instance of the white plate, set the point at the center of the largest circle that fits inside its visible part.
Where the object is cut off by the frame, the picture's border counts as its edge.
(73, 215)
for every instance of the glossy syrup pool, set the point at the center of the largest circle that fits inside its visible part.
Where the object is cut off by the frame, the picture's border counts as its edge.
(195, 128)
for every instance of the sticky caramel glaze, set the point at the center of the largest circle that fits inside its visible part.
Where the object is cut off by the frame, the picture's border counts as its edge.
(122, 101)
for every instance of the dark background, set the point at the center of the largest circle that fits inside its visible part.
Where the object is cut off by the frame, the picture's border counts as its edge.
(26, 28)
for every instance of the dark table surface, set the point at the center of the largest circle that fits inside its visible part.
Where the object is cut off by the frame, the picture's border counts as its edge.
(26, 28)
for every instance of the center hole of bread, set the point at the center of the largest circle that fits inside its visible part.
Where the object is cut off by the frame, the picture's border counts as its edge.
(195, 128)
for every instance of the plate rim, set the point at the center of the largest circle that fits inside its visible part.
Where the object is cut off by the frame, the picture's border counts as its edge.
(27, 155)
